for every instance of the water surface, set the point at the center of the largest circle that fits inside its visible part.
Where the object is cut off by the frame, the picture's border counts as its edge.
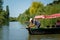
(17, 31)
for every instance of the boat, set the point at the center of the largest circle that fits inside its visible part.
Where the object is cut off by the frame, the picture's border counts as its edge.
(40, 31)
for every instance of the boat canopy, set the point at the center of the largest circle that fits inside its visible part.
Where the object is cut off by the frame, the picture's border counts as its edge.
(48, 16)
(40, 16)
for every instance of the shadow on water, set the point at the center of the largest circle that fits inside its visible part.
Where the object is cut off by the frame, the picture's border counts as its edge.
(44, 37)
(0, 26)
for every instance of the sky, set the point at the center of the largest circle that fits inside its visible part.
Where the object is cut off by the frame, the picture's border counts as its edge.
(17, 7)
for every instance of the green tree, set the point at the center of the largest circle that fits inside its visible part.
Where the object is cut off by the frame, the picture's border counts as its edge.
(35, 7)
(7, 12)
(4, 15)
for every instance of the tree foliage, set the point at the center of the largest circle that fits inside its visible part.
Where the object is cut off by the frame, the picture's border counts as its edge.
(3, 14)
(37, 8)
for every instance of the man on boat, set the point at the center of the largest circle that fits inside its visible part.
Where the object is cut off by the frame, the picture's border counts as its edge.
(31, 23)
(37, 23)
(34, 22)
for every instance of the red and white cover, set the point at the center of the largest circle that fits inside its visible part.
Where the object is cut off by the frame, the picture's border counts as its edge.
(48, 16)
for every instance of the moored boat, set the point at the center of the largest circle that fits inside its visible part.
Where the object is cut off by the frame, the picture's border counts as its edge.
(34, 31)
(55, 26)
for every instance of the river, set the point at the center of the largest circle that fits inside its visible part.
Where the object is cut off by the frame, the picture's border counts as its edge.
(17, 31)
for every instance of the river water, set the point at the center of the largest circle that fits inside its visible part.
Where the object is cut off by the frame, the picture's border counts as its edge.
(17, 31)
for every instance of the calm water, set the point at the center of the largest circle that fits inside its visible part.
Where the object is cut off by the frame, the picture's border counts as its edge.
(17, 31)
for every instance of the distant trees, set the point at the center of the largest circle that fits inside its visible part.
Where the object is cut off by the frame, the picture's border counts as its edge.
(54, 2)
(12, 19)
(7, 12)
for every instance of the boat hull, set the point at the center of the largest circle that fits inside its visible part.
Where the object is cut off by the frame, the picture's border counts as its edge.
(43, 31)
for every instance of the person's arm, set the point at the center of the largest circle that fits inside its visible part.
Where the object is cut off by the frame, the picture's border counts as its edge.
(31, 25)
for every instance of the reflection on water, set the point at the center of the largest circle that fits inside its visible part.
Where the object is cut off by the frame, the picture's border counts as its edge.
(17, 31)
(44, 37)
(0, 33)
(4, 33)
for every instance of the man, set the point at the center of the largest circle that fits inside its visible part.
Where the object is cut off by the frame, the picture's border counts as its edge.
(31, 24)
(36, 23)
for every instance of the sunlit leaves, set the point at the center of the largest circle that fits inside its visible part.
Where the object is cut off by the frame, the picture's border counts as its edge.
(34, 7)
